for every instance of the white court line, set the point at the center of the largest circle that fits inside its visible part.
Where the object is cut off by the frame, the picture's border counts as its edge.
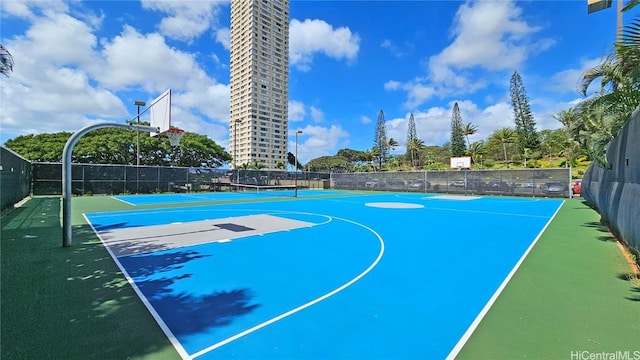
(172, 338)
(126, 202)
(174, 341)
(304, 306)
(486, 212)
(465, 337)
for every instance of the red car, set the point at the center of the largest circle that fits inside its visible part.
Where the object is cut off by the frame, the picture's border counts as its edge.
(576, 187)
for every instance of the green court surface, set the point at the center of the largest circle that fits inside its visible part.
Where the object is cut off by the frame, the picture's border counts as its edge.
(570, 294)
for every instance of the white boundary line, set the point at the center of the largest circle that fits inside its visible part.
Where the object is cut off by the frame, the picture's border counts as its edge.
(304, 306)
(126, 202)
(465, 337)
(174, 341)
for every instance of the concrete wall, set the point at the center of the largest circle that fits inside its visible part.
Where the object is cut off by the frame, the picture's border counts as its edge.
(615, 192)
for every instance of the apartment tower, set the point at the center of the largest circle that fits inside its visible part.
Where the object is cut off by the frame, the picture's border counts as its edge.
(259, 82)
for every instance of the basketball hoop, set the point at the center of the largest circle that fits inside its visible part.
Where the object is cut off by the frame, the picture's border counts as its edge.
(175, 135)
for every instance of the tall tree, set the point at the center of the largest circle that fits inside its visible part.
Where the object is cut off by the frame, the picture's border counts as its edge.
(380, 142)
(6, 61)
(413, 146)
(411, 130)
(527, 137)
(458, 146)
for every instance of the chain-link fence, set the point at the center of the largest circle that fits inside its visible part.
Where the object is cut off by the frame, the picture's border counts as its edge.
(525, 182)
(88, 179)
(15, 178)
(128, 179)
(308, 180)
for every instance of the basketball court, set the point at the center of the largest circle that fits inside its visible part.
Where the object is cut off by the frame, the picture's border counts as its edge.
(345, 275)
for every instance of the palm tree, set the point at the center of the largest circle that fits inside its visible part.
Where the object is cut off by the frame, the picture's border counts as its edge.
(603, 114)
(570, 121)
(476, 149)
(391, 144)
(504, 136)
(414, 145)
(6, 61)
(567, 118)
(469, 129)
(280, 165)
(257, 165)
(376, 153)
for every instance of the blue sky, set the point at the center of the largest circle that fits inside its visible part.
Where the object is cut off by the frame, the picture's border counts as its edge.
(77, 62)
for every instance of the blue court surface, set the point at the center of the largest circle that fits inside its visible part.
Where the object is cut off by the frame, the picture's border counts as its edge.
(393, 275)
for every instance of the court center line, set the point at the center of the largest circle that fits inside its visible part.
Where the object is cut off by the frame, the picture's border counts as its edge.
(465, 337)
(304, 306)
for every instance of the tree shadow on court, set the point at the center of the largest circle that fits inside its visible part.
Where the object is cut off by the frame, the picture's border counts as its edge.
(150, 263)
(185, 313)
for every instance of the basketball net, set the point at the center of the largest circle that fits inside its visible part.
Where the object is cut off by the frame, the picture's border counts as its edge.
(175, 135)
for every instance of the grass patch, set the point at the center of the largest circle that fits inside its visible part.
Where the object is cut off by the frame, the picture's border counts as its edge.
(68, 303)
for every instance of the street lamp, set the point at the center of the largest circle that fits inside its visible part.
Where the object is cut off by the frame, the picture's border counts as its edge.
(235, 149)
(597, 5)
(296, 169)
(138, 104)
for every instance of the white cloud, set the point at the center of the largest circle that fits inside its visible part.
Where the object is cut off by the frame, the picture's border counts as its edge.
(392, 85)
(487, 37)
(160, 68)
(316, 114)
(186, 20)
(66, 79)
(394, 49)
(309, 37)
(418, 94)
(296, 111)
(58, 38)
(489, 34)
(567, 80)
(316, 141)
(223, 36)
(365, 119)
(30, 9)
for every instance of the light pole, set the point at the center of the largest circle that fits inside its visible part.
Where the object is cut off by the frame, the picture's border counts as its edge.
(235, 149)
(597, 5)
(138, 104)
(296, 169)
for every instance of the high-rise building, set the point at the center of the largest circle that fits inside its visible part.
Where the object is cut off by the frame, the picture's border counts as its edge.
(259, 82)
